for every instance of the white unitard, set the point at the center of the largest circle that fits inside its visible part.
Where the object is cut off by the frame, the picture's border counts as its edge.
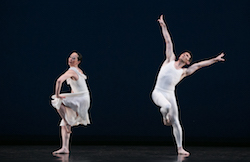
(163, 96)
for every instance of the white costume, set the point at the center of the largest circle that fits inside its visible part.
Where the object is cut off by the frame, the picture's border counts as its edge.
(77, 103)
(163, 95)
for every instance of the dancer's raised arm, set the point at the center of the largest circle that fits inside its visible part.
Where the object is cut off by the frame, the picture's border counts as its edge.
(169, 45)
(190, 70)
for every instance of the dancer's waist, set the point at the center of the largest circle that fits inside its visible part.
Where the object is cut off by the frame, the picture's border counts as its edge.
(164, 90)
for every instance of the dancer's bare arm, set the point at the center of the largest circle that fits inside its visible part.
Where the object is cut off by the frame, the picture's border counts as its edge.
(61, 79)
(169, 45)
(190, 70)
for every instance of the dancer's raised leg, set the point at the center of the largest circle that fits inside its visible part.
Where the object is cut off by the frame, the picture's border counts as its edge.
(62, 112)
(164, 104)
(165, 115)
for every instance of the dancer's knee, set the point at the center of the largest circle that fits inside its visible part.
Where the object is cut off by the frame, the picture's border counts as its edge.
(176, 124)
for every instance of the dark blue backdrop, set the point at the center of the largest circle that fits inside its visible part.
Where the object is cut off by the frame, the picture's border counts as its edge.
(122, 49)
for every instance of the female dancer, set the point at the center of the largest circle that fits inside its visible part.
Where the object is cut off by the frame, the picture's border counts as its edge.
(72, 107)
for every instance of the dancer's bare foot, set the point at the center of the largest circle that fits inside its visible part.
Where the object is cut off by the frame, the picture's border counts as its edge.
(165, 117)
(181, 151)
(61, 151)
(166, 121)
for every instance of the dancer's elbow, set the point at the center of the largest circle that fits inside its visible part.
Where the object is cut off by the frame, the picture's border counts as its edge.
(59, 81)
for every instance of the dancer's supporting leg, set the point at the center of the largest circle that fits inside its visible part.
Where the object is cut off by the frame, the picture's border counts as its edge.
(177, 131)
(65, 142)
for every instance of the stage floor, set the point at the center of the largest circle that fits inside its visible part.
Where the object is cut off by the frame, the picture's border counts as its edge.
(123, 154)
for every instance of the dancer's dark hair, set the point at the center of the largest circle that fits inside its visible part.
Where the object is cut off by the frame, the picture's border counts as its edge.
(78, 53)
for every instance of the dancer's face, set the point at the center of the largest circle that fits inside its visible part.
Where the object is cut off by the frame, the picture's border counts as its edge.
(185, 57)
(73, 59)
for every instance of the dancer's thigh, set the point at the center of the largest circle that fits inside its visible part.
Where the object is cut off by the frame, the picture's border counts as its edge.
(160, 99)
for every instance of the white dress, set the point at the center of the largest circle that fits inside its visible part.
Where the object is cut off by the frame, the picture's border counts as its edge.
(77, 103)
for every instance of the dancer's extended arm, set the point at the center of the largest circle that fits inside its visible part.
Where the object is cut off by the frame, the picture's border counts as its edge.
(190, 70)
(169, 45)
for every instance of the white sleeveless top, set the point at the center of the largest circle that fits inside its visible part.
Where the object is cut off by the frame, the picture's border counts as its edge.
(80, 84)
(168, 77)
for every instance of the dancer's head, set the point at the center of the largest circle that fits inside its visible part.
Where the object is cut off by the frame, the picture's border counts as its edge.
(75, 58)
(186, 57)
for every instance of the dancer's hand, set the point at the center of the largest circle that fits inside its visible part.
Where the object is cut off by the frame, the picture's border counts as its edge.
(219, 57)
(161, 21)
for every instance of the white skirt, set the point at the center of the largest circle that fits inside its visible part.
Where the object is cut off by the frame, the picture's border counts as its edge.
(77, 106)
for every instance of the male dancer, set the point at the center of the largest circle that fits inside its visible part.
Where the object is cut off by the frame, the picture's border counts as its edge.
(171, 72)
